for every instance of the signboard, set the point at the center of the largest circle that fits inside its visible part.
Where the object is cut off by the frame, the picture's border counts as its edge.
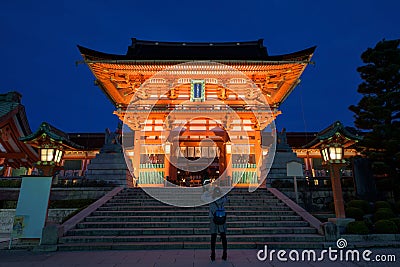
(294, 168)
(197, 91)
(31, 212)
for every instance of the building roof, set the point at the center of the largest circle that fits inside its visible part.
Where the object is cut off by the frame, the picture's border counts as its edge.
(53, 133)
(120, 77)
(13, 125)
(9, 102)
(336, 130)
(10, 105)
(155, 50)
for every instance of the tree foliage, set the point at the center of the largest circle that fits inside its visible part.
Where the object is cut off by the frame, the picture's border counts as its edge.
(378, 112)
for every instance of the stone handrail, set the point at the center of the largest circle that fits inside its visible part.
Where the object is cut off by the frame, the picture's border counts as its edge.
(314, 222)
(72, 222)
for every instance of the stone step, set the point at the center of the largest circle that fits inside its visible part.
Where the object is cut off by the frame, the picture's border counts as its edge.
(134, 220)
(181, 198)
(184, 245)
(250, 202)
(188, 231)
(195, 238)
(228, 208)
(191, 190)
(165, 194)
(189, 212)
(203, 218)
(243, 224)
(194, 192)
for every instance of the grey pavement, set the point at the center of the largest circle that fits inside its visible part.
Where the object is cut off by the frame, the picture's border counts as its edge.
(166, 258)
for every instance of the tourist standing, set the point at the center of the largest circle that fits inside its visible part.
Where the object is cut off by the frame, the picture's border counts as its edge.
(215, 229)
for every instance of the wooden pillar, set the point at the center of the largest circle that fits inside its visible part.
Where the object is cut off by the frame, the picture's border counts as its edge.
(173, 158)
(85, 163)
(309, 165)
(166, 169)
(166, 160)
(136, 151)
(8, 172)
(228, 166)
(258, 152)
(337, 189)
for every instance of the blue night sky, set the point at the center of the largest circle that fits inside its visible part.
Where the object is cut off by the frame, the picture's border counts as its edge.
(38, 49)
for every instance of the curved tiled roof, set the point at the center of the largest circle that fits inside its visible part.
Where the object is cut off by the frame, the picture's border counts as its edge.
(52, 132)
(329, 132)
(154, 50)
(9, 102)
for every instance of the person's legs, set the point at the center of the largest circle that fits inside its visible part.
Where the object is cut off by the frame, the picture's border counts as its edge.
(224, 246)
(213, 240)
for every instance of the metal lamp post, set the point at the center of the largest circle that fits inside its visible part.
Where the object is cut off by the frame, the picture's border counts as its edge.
(332, 155)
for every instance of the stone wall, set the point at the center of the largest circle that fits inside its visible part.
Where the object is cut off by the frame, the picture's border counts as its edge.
(55, 215)
(7, 217)
(6, 220)
(61, 193)
(319, 200)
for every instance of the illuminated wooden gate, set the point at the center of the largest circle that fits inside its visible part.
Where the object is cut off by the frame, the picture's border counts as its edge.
(170, 117)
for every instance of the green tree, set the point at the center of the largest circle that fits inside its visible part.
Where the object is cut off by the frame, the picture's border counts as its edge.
(378, 112)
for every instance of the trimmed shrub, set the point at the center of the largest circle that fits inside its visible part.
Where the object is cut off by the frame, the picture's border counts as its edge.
(383, 214)
(355, 213)
(382, 205)
(8, 204)
(361, 204)
(10, 183)
(385, 227)
(357, 228)
(397, 222)
(369, 220)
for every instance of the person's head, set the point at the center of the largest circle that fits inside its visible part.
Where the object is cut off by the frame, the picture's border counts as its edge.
(217, 192)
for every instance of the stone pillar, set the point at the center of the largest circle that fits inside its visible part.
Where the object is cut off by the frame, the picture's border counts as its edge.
(337, 189)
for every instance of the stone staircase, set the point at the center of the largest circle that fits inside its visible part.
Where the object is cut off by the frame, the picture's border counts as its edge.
(134, 220)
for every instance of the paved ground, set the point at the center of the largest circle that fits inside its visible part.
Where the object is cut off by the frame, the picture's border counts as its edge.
(177, 258)
(155, 258)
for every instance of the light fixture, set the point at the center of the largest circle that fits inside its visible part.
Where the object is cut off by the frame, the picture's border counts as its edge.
(50, 155)
(332, 152)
